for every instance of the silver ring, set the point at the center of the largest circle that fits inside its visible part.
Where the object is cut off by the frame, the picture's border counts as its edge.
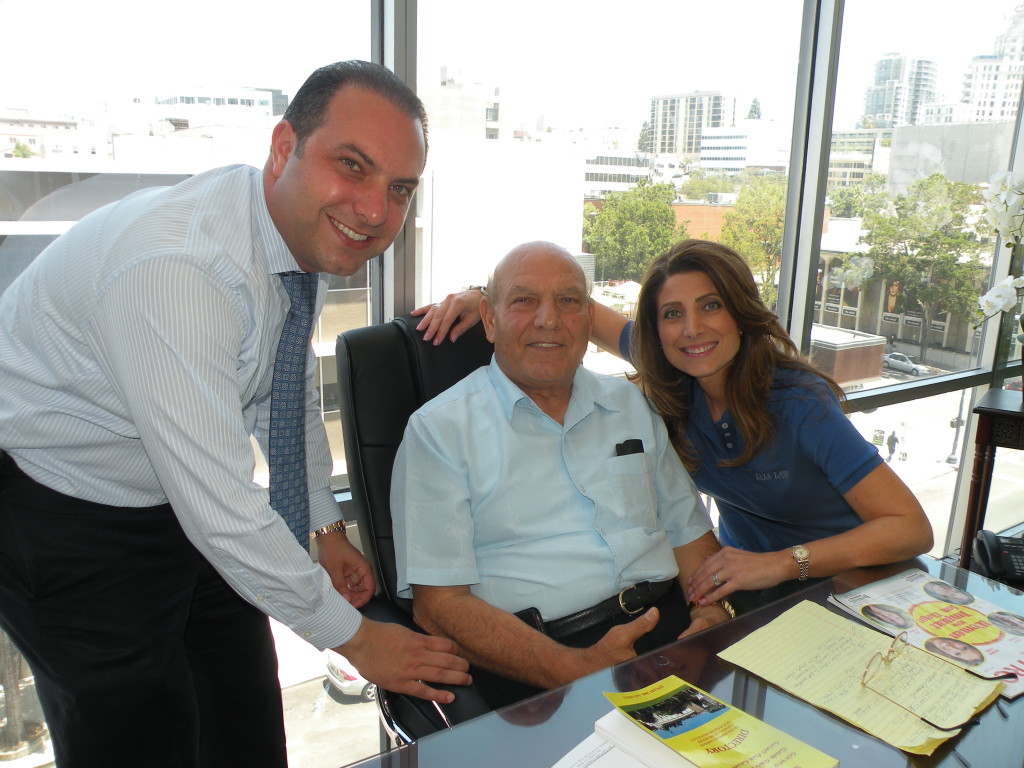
(436, 306)
(715, 580)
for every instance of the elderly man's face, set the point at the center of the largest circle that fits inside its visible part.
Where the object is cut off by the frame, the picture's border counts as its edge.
(539, 320)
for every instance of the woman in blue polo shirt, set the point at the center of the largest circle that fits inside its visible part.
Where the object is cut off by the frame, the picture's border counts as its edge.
(800, 493)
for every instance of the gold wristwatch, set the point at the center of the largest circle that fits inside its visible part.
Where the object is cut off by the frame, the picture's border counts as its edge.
(338, 526)
(803, 560)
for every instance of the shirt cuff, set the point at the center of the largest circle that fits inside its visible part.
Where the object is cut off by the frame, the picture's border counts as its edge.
(323, 509)
(333, 624)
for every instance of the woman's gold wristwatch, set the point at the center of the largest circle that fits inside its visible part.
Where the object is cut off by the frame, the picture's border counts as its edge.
(803, 561)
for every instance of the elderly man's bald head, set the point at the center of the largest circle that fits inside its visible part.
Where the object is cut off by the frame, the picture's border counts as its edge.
(535, 247)
(538, 313)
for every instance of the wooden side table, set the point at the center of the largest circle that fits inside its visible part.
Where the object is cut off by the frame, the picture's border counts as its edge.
(1000, 425)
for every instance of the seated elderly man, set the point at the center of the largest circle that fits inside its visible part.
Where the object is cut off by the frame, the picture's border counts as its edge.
(542, 519)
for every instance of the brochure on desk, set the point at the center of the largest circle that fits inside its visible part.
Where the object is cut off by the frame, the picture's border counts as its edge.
(945, 621)
(674, 723)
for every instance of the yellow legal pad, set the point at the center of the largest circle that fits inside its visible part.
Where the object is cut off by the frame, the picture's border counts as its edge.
(820, 656)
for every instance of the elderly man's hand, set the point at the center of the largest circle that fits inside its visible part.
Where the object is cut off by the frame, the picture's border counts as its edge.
(404, 661)
(456, 313)
(615, 647)
(705, 617)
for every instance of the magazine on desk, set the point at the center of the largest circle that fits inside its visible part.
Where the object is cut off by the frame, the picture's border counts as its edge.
(946, 621)
(674, 723)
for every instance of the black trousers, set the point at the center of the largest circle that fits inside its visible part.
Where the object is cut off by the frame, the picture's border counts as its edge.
(142, 654)
(674, 618)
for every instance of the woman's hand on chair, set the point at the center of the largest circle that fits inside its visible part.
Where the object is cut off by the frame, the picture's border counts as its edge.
(451, 317)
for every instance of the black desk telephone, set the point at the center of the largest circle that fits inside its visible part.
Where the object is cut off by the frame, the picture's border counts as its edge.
(999, 557)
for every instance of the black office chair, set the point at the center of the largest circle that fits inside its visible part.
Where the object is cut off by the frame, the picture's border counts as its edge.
(385, 373)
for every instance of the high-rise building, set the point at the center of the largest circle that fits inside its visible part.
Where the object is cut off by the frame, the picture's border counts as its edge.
(992, 83)
(678, 120)
(459, 105)
(901, 89)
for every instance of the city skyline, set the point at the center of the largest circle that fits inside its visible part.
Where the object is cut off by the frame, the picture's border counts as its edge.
(577, 64)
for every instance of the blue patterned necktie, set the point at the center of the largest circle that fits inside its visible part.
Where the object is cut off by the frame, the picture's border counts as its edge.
(289, 489)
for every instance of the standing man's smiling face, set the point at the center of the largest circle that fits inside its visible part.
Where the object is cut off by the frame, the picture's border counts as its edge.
(342, 198)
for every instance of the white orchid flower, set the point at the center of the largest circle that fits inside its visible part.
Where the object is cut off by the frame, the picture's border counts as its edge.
(1002, 298)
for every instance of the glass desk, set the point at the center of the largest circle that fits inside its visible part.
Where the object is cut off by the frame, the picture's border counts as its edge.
(540, 731)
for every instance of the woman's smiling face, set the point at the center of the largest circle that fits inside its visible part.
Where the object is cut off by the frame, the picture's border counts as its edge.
(698, 334)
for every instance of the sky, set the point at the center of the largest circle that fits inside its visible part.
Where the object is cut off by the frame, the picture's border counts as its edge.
(574, 61)
(79, 49)
(605, 59)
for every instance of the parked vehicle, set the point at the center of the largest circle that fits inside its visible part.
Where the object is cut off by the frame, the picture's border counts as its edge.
(897, 361)
(345, 679)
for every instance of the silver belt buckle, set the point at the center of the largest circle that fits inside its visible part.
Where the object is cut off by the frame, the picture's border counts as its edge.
(622, 604)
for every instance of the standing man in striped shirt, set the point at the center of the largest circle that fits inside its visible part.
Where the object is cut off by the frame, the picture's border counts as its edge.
(138, 559)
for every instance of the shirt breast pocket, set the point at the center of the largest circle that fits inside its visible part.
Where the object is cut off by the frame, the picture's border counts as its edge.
(628, 492)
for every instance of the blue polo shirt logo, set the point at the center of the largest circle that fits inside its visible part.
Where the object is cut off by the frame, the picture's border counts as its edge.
(779, 474)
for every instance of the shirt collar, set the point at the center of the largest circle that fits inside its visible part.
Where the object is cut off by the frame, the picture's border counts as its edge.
(586, 394)
(268, 244)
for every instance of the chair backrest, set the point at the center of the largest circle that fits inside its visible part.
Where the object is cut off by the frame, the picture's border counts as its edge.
(385, 373)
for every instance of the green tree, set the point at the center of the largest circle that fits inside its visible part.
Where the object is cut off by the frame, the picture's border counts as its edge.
(643, 144)
(630, 230)
(755, 110)
(754, 230)
(22, 150)
(928, 241)
(853, 201)
(700, 184)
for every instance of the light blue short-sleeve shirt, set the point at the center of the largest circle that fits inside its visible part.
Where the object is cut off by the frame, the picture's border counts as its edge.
(490, 492)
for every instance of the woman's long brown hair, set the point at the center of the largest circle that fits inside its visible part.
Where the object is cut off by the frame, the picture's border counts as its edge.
(764, 348)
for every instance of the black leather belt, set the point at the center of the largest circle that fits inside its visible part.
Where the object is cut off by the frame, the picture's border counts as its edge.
(632, 601)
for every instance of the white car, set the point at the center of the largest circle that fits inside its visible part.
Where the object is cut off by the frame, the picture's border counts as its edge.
(345, 679)
(897, 361)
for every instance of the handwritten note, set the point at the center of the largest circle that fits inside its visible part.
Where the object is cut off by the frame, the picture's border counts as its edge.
(820, 657)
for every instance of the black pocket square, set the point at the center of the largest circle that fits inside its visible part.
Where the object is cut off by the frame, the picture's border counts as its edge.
(627, 447)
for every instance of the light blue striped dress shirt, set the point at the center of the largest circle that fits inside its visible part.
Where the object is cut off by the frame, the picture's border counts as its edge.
(136, 356)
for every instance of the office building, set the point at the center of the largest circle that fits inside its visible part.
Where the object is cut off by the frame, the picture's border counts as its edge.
(900, 90)
(615, 172)
(459, 105)
(992, 82)
(856, 153)
(677, 121)
(762, 144)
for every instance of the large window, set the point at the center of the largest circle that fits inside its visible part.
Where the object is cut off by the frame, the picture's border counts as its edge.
(96, 105)
(851, 182)
(904, 249)
(696, 100)
(918, 129)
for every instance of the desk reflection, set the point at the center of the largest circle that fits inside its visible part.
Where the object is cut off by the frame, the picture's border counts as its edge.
(540, 731)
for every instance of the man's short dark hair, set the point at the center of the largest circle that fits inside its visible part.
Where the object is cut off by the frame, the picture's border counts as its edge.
(306, 110)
